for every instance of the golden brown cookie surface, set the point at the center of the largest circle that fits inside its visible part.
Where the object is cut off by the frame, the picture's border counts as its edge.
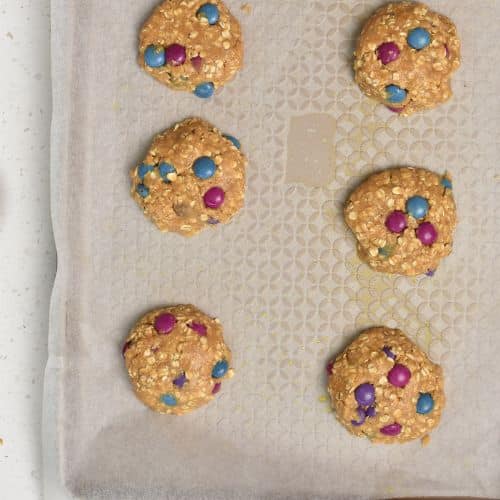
(403, 220)
(192, 177)
(405, 57)
(385, 388)
(191, 45)
(176, 359)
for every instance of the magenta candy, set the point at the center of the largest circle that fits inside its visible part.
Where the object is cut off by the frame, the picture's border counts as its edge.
(427, 233)
(197, 62)
(216, 388)
(395, 110)
(329, 367)
(164, 323)
(198, 328)
(175, 54)
(396, 222)
(399, 375)
(126, 347)
(388, 52)
(391, 429)
(214, 197)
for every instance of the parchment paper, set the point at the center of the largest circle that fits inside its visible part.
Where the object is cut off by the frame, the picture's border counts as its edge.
(283, 278)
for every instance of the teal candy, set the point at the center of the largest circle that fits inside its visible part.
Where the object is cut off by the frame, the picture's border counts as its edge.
(220, 369)
(418, 38)
(204, 90)
(395, 94)
(425, 403)
(204, 167)
(235, 141)
(446, 183)
(165, 169)
(417, 207)
(168, 399)
(142, 190)
(154, 56)
(210, 12)
(143, 170)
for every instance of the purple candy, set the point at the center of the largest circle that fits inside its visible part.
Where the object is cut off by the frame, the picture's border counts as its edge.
(430, 272)
(426, 233)
(362, 417)
(388, 352)
(213, 221)
(175, 54)
(164, 323)
(126, 347)
(388, 52)
(399, 375)
(371, 412)
(216, 388)
(391, 429)
(396, 222)
(214, 197)
(198, 328)
(365, 394)
(180, 380)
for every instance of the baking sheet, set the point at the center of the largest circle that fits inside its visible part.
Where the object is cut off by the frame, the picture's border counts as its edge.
(283, 278)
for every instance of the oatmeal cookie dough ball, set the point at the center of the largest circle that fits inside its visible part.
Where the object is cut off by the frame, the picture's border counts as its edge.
(403, 220)
(405, 57)
(176, 358)
(191, 45)
(385, 388)
(192, 177)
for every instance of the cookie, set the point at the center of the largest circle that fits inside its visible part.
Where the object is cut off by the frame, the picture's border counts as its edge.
(385, 388)
(176, 359)
(191, 45)
(192, 177)
(405, 57)
(403, 220)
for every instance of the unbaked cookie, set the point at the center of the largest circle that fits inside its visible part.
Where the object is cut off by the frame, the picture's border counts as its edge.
(403, 220)
(405, 57)
(191, 45)
(385, 388)
(176, 359)
(192, 177)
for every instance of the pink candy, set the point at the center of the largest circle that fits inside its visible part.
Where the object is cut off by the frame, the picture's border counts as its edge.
(426, 233)
(216, 388)
(197, 63)
(399, 375)
(396, 222)
(198, 328)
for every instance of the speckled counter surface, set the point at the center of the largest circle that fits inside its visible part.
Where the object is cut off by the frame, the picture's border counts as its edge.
(27, 262)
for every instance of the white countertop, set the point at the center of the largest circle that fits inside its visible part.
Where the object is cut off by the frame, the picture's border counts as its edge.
(28, 260)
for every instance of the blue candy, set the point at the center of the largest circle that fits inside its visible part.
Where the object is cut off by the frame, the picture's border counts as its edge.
(417, 207)
(418, 38)
(446, 183)
(154, 56)
(235, 141)
(165, 169)
(425, 403)
(220, 369)
(142, 190)
(143, 170)
(210, 12)
(395, 94)
(204, 167)
(168, 399)
(204, 90)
